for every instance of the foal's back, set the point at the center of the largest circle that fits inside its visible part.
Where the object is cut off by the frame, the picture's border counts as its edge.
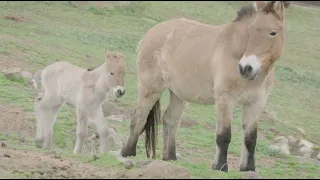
(62, 80)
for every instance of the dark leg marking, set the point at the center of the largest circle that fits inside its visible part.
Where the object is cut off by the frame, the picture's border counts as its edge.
(250, 142)
(223, 141)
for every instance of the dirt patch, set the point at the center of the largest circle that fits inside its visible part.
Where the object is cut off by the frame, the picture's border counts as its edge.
(16, 121)
(8, 62)
(159, 169)
(16, 18)
(30, 164)
(37, 165)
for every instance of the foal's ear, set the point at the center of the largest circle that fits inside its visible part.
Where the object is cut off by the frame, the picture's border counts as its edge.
(276, 7)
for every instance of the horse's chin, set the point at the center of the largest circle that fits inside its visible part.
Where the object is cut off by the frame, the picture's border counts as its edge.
(252, 77)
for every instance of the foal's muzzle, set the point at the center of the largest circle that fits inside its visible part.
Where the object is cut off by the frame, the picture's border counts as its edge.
(119, 91)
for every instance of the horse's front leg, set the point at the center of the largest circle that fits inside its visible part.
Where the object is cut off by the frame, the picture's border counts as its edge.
(251, 115)
(224, 111)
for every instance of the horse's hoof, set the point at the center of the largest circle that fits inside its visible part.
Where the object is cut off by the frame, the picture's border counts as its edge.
(39, 143)
(125, 152)
(222, 167)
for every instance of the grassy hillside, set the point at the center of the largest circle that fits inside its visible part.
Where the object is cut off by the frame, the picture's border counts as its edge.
(77, 33)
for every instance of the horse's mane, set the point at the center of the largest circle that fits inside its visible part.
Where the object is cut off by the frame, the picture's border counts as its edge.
(245, 11)
(249, 10)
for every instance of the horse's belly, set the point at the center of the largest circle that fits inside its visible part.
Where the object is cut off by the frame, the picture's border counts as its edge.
(192, 90)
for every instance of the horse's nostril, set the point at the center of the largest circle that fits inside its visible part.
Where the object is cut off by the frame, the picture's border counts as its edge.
(247, 69)
(123, 92)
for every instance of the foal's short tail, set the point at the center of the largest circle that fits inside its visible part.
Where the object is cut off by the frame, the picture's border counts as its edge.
(151, 129)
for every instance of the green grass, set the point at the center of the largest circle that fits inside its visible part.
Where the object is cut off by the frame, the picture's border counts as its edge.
(77, 33)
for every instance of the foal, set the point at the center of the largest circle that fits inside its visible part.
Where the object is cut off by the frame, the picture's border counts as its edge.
(84, 89)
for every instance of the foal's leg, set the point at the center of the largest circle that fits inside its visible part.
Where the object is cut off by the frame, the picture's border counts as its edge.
(82, 129)
(224, 107)
(251, 115)
(171, 123)
(145, 104)
(102, 128)
(46, 111)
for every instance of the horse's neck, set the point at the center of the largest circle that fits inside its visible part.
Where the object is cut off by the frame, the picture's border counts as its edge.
(235, 38)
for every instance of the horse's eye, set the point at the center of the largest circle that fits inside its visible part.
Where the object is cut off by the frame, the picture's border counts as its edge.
(273, 33)
(111, 73)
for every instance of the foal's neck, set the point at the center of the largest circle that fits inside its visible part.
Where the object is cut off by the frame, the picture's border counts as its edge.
(102, 80)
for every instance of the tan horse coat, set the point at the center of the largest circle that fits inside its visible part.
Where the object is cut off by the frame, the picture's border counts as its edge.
(224, 65)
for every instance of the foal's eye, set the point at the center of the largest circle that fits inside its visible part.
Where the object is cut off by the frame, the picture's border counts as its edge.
(111, 73)
(273, 33)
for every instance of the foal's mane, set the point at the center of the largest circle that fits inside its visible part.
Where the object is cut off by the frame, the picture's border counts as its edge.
(93, 68)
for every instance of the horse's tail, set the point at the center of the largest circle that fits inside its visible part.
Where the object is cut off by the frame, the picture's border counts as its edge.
(151, 129)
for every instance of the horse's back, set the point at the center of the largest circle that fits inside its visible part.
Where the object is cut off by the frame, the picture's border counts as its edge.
(178, 53)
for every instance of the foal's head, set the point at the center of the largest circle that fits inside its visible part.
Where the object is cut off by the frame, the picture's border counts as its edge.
(114, 68)
(266, 33)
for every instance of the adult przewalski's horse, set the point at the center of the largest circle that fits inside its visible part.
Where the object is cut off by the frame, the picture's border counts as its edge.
(84, 89)
(224, 65)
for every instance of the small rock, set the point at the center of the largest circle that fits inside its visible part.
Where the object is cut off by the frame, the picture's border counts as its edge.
(318, 157)
(305, 151)
(280, 140)
(282, 148)
(26, 74)
(56, 156)
(301, 130)
(128, 164)
(305, 143)
(22, 140)
(3, 145)
(291, 140)
(6, 155)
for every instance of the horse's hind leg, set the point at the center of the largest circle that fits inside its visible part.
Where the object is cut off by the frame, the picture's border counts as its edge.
(145, 104)
(171, 123)
(251, 114)
(46, 110)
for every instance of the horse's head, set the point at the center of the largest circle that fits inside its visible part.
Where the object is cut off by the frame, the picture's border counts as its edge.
(115, 72)
(266, 38)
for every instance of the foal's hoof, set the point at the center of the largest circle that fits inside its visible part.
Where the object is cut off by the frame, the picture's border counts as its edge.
(39, 143)
(220, 167)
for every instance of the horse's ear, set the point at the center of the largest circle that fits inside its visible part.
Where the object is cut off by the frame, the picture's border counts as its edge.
(119, 53)
(259, 5)
(276, 7)
(105, 54)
